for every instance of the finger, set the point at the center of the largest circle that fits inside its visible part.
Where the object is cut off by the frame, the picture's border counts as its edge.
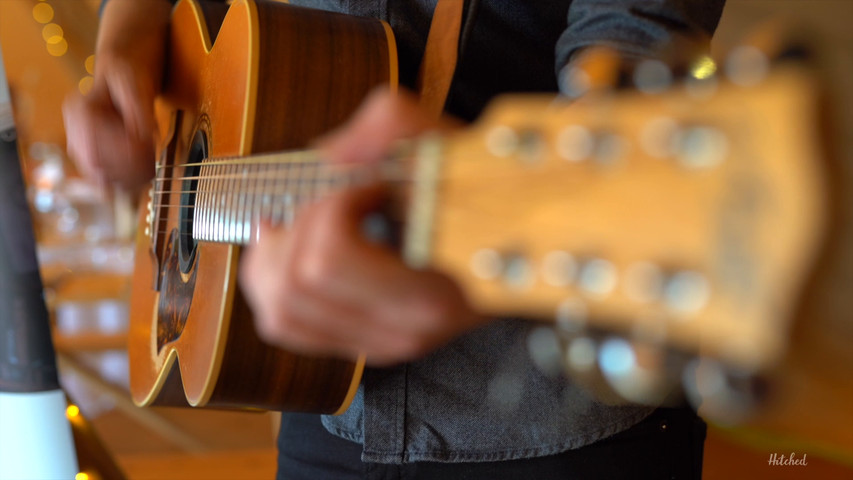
(81, 145)
(348, 269)
(292, 316)
(133, 98)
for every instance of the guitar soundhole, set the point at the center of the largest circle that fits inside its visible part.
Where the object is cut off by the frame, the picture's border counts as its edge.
(176, 295)
(177, 283)
(187, 244)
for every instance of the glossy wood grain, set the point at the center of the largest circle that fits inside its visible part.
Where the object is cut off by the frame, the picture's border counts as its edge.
(276, 77)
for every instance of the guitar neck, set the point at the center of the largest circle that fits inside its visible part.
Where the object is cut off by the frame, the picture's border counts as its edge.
(231, 196)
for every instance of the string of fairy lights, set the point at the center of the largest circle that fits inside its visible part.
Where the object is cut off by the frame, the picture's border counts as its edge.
(56, 43)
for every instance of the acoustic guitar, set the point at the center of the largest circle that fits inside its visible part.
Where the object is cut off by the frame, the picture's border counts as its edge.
(682, 214)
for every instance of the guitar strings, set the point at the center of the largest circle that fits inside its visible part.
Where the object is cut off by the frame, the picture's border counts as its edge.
(401, 150)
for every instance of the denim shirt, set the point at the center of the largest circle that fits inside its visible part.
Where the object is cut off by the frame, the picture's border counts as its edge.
(481, 398)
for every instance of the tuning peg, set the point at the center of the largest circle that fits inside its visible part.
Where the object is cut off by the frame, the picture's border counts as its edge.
(652, 76)
(594, 69)
(577, 143)
(546, 350)
(640, 372)
(598, 277)
(773, 42)
(723, 395)
(701, 82)
(513, 268)
(747, 66)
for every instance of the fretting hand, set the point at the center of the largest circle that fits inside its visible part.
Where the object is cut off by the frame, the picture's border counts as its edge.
(322, 288)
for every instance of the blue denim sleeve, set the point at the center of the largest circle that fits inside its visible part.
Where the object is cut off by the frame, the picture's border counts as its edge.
(636, 28)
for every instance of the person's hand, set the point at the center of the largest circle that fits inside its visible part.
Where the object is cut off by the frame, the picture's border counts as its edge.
(111, 131)
(322, 288)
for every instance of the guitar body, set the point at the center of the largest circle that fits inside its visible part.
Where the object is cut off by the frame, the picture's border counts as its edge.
(261, 77)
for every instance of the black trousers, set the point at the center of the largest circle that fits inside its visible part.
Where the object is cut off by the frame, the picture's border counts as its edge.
(666, 445)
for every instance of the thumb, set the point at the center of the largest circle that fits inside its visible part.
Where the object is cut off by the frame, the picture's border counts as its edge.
(133, 97)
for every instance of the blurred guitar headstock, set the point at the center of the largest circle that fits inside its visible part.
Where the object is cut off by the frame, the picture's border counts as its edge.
(676, 219)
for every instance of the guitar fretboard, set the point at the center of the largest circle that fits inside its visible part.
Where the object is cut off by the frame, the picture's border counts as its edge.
(234, 195)
(229, 197)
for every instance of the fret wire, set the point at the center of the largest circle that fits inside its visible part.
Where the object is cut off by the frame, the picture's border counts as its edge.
(246, 209)
(266, 202)
(304, 188)
(205, 229)
(239, 193)
(198, 221)
(224, 201)
(216, 206)
(250, 207)
(220, 221)
(240, 200)
(250, 198)
(211, 203)
(230, 184)
(276, 206)
(209, 200)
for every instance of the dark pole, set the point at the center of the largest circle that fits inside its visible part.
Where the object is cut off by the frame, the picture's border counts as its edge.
(35, 436)
(27, 359)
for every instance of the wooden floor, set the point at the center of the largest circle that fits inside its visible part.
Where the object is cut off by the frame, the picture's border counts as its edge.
(235, 445)
(724, 460)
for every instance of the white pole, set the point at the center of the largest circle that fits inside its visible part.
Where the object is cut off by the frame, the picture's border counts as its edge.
(35, 437)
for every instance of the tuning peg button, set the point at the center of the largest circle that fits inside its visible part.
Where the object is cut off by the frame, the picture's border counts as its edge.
(686, 292)
(657, 137)
(643, 282)
(701, 146)
(598, 277)
(559, 268)
(652, 77)
(518, 272)
(575, 143)
(581, 354)
(571, 316)
(487, 264)
(545, 350)
(502, 141)
(747, 66)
